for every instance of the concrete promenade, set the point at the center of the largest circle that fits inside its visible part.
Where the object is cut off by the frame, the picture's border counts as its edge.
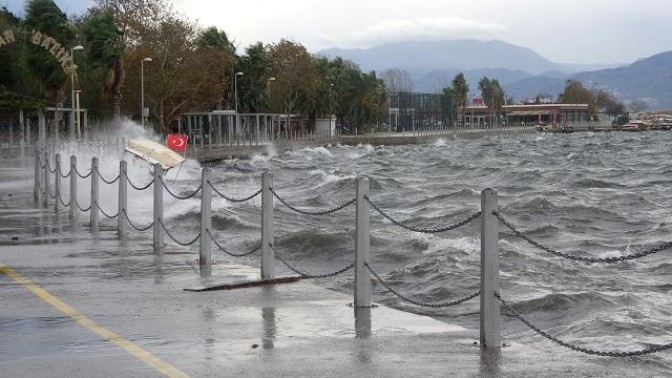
(213, 153)
(78, 305)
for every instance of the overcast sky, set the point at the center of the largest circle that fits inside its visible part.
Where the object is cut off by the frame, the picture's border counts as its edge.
(564, 31)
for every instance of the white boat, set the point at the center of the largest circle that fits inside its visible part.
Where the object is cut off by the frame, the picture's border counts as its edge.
(154, 153)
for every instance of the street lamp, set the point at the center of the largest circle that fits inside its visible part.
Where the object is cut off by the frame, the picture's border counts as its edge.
(142, 90)
(268, 86)
(72, 92)
(235, 94)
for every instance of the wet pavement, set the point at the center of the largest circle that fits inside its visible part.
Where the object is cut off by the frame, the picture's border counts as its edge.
(79, 305)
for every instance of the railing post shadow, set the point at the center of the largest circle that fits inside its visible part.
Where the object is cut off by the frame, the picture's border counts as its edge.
(362, 246)
(122, 223)
(73, 187)
(57, 183)
(158, 209)
(491, 322)
(267, 239)
(94, 195)
(204, 253)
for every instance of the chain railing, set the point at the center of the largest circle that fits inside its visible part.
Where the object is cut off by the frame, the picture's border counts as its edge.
(222, 249)
(515, 314)
(588, 260)
(60, 172)
(170, 235)
(177, 196)
(319, 212)
(418, 303)
(82, 176)
(423, 230)
(135, 227)
(308, 275)
(108, 182)
(364, 273)
(81, 208)
(231, 199)
(108, 216)
(136, 187)
(60, 199)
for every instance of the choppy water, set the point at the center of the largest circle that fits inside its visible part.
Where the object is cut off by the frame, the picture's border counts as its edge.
(600, 195)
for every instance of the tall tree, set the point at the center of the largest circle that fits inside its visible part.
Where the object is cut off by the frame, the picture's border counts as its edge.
(576, 93)
(460, 90)
(104, 43)
(46, 17)
(397, 80)
(493, 96)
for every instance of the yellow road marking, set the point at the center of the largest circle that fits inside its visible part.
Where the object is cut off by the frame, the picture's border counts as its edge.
(94, 327)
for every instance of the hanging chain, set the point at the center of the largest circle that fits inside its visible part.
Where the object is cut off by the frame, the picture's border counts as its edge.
(418, 303)
(514, 314)
(141, 229)
(184, 244)
(137, 187)
(178, 196)
(230, 199)
(110, 182)
(307, 275)
(221, 248)
(422, 230)
(106, 214)
(321, 212)
(588, 260)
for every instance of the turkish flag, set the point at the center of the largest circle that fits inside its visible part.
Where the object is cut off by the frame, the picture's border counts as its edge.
(177, 142)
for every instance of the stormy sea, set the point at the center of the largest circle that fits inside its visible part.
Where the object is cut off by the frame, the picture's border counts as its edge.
(595, 195)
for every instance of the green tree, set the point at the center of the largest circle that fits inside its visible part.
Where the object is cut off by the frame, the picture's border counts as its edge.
(47, 17)
(575, 93)
(104, 44)
(493, 96)
(459, 91)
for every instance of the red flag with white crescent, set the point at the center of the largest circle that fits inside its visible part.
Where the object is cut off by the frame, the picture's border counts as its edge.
(177, 142)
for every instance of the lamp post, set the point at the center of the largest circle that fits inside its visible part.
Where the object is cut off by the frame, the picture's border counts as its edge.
(268, 85)
(142, 90)
(235, 95)
(72, 91)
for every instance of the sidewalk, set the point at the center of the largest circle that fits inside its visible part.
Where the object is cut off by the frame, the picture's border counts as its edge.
(131, 317)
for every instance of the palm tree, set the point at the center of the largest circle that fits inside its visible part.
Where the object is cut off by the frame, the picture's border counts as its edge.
(460, 89)
(105, 52)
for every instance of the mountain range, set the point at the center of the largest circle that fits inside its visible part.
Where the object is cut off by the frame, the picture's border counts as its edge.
(522, 72)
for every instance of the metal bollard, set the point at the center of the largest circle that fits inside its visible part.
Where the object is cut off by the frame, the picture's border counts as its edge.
(158, 209)
(491, 323)
(94, 216)
(362, 246)
(45, 198)
(73, 187)
(122, 223)
(36, 190)
(204, 253)
(57, 183)
(267, 239)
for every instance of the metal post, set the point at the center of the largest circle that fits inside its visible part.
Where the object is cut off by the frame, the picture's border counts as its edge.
(491, 326)
(158, 208)
(41, 130)
(45, 198)
(73, 187)
(94, 195)
(204, 254)
(267, 240)
(57, 183)
(122, 224)
(362, 244)
(36, 190)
